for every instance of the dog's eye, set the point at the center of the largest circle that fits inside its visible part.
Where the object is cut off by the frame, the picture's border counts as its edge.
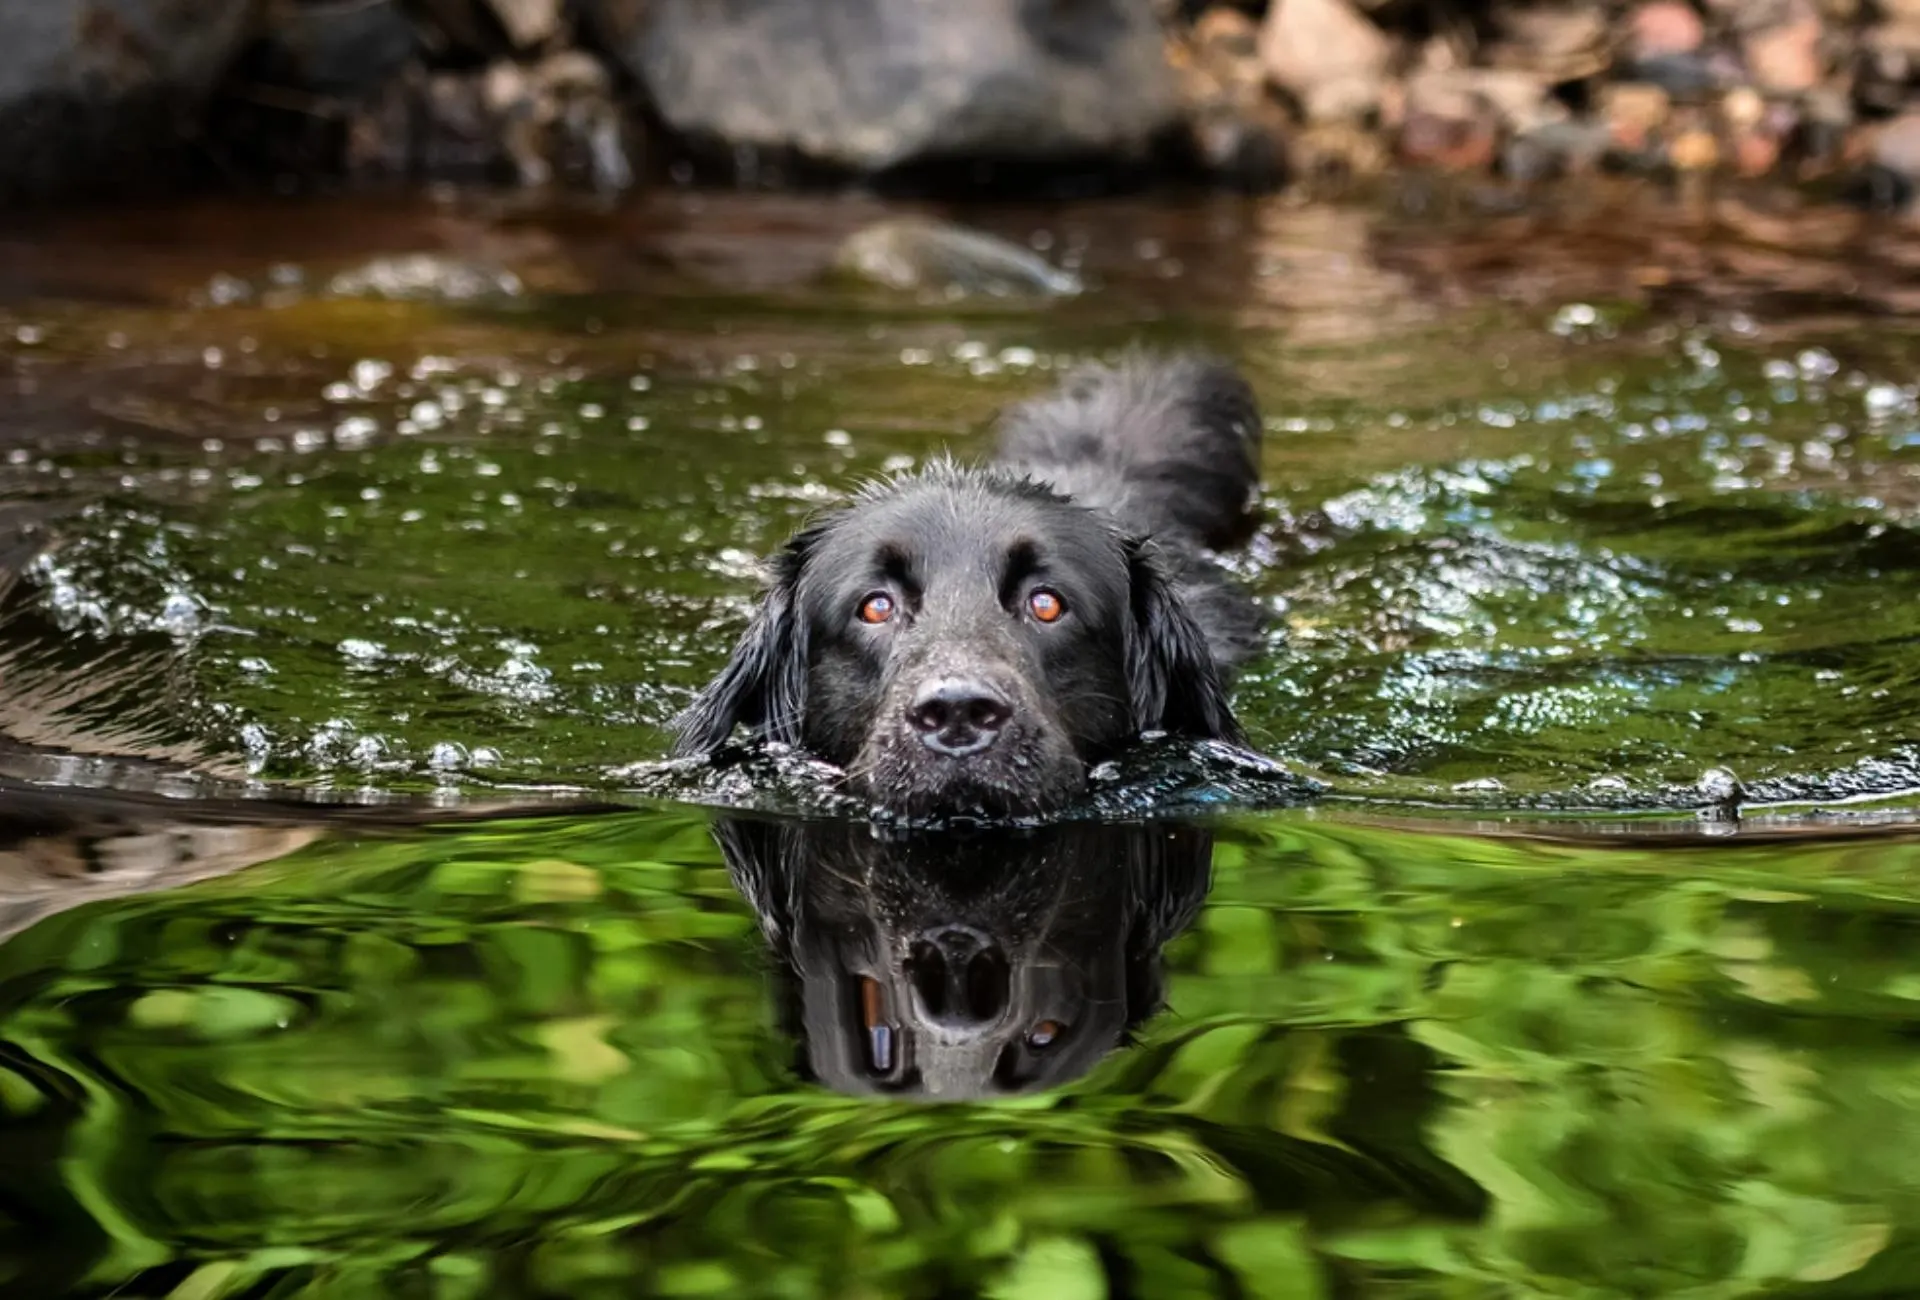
(1042, 1035)
(1046, 605)
(877, 608)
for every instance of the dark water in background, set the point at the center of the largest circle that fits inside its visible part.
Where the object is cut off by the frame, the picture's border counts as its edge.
(1565, 510)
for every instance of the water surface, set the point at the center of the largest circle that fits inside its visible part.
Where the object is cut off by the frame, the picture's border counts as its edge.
(1565, 508)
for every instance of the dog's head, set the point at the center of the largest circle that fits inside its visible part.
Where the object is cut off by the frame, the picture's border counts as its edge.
(953, 966)
(965, 643)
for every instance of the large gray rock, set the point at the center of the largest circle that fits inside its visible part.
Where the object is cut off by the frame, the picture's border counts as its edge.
(875, 84)
(95, 94)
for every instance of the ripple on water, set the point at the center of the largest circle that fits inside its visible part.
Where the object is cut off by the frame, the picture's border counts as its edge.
(1678, 549)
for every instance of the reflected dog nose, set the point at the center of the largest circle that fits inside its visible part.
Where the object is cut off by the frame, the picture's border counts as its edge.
(956, 716)
(960, 977)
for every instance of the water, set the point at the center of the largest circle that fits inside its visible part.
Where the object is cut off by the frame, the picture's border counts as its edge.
(448, 541)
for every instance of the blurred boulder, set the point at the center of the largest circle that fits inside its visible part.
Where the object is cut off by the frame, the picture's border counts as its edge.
(331, 47)
(871, 85)
(98, 95)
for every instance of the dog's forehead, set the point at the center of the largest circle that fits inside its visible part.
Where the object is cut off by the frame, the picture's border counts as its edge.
(938, 525)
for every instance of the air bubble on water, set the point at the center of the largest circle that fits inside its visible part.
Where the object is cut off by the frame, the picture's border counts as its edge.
(257, 745)
(340, 392)
(427, 415)
(486, 756)
(1479, 785)
(309, 440)
(1611, 784)
(213, 358)
(1883, 401)
(753, 424)
(1780, 372)
(1719, 785)
(30, 335)
(226, 289)
(446, 756)
(1573, 318)
(838, 438)
(255, 665)
(592, 411)
(1024, 358)
(361, 651)
(355, 431)
(1817, 364)
(970, 350)
(180, 613)
(486, 469)
(369, 373)
(637, 423)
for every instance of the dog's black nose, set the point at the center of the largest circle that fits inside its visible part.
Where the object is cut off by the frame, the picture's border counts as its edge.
(957, 717)
(959, 976)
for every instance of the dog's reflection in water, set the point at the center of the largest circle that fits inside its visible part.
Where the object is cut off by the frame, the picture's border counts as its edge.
(962, 966)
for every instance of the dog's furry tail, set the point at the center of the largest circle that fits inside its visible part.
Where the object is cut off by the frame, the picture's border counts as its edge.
(1169, 444)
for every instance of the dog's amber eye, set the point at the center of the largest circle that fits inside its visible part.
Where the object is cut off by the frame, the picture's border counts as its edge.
(1046, 605)
(877, 608)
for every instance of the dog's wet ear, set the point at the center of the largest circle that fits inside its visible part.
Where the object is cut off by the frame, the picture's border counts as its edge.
(764, 685)
(1171, 676)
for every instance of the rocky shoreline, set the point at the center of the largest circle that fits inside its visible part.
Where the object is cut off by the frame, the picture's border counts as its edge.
(107, 97)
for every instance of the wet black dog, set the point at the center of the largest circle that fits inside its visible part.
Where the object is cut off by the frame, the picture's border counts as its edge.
(955, 966)
(968, 642)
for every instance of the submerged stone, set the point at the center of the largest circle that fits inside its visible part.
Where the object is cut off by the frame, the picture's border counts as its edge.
(920, 253)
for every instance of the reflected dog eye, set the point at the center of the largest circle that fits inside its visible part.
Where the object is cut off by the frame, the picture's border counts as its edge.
(1044, 1035)
(877, 608)
(1046, 605)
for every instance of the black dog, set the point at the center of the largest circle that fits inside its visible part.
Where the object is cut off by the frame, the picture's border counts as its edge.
(956, 966)
(967, 642)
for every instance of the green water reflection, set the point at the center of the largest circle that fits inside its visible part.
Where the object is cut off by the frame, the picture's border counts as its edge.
(534, 1058)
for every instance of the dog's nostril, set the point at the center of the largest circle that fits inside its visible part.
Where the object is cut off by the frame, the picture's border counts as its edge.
(988, 712)
(957, 716)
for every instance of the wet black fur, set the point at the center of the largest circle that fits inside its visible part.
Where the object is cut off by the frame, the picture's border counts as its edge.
(1107, 491)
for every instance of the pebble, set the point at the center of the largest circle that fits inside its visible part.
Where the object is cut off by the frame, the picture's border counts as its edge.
(1785, 59)
(1896, 145)
(1664, 27)
(1327, 55)
(1633, 113)
(1694, 151)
